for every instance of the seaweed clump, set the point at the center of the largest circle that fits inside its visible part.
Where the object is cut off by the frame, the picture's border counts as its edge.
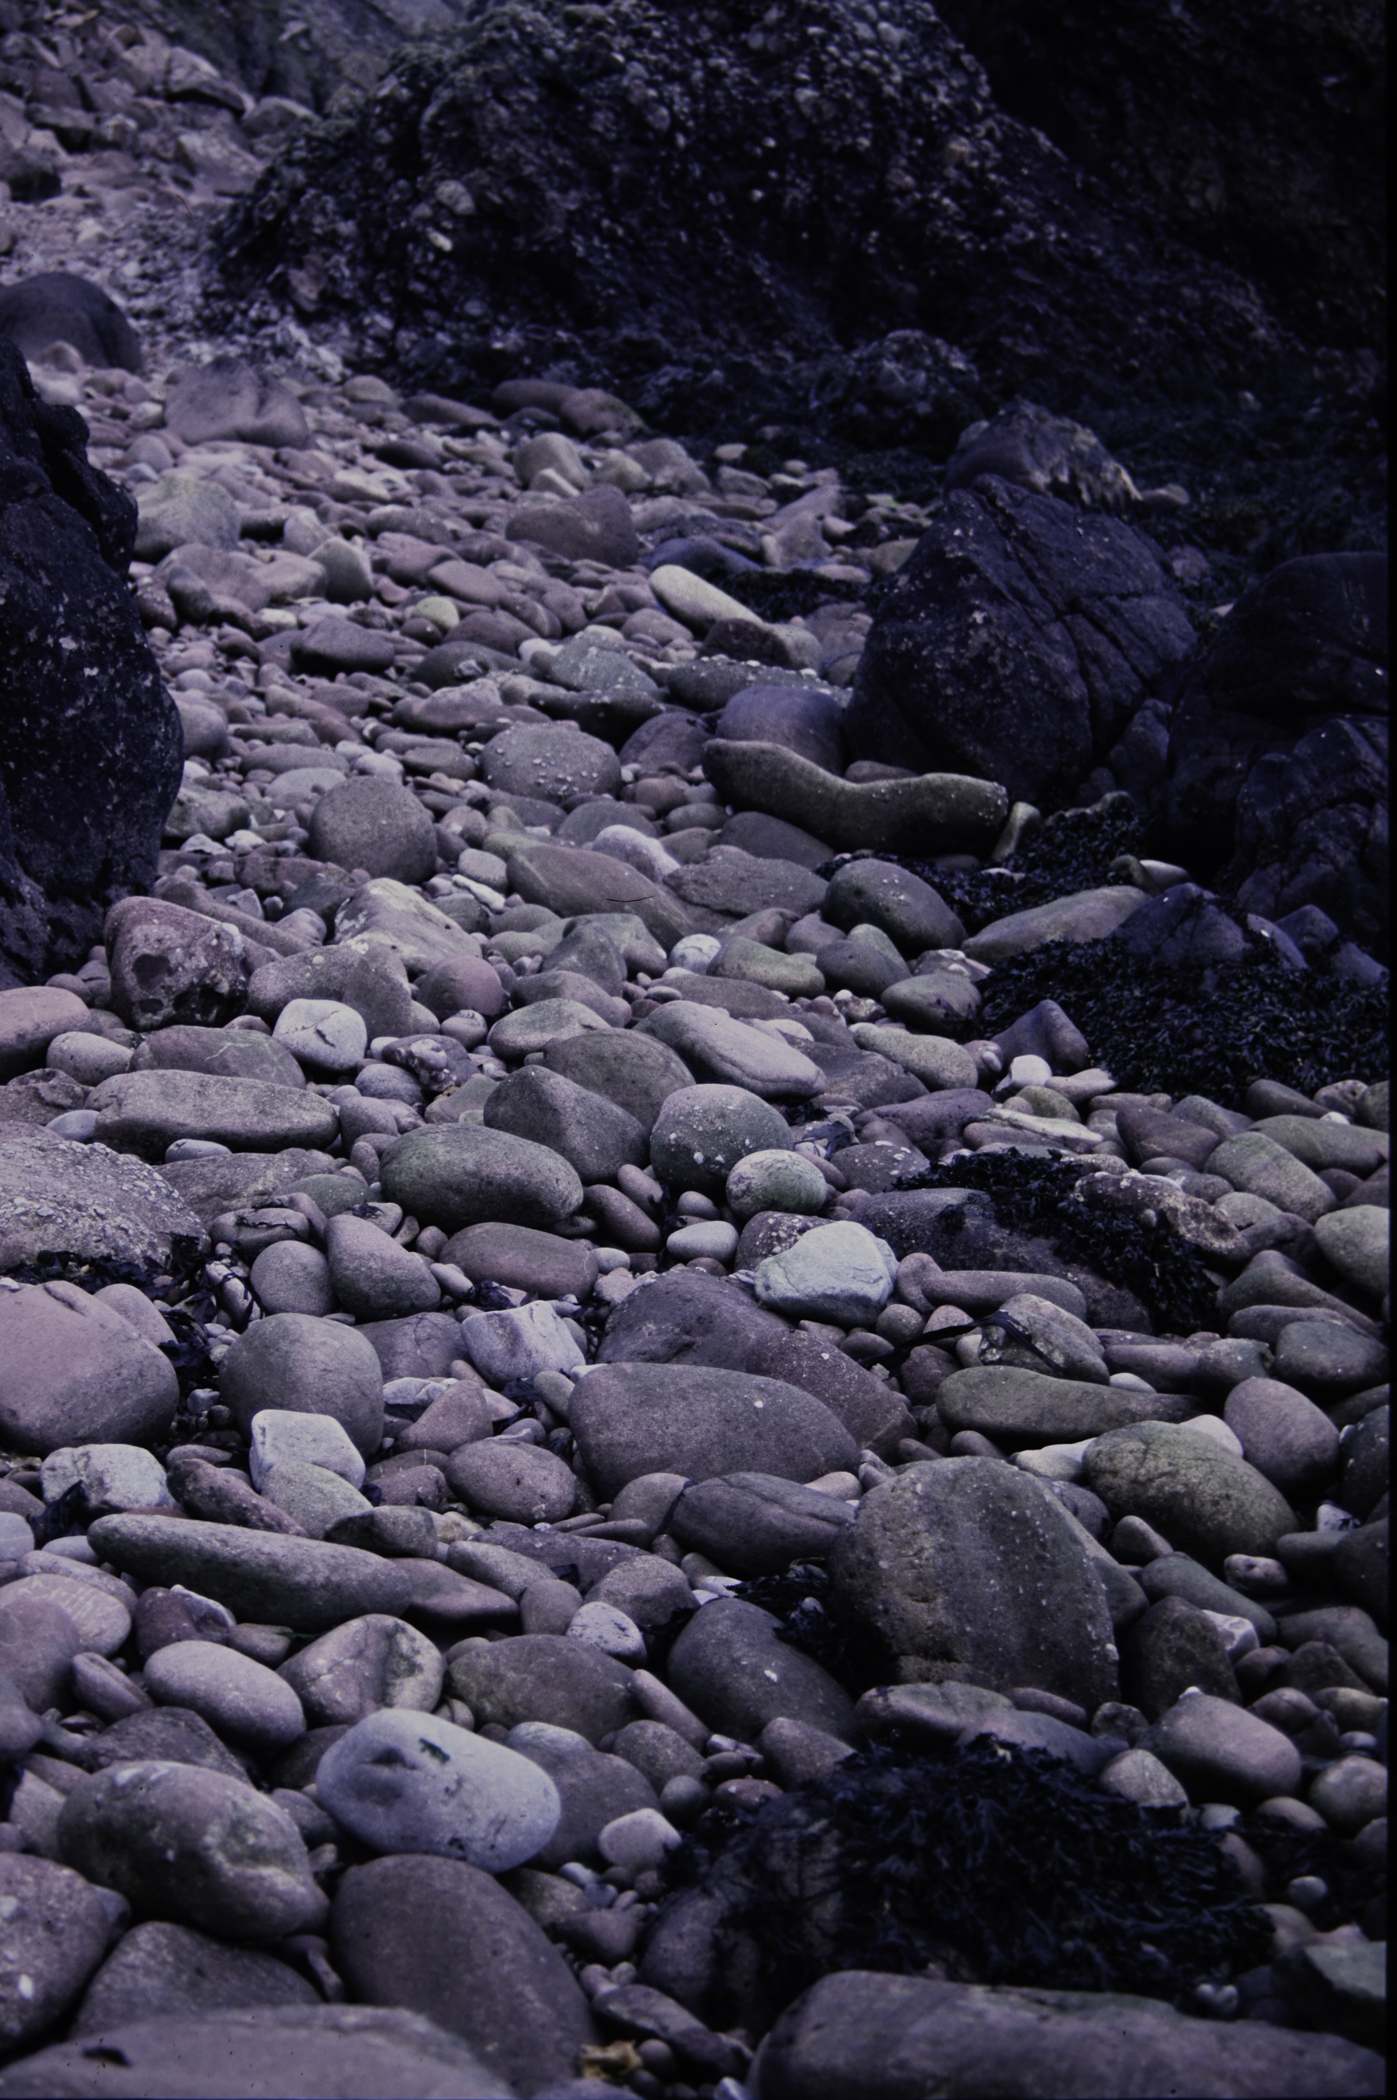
(1037, 1195)
(781, 594)
(997, 1864)
(1075, 849)
(1163, 1030)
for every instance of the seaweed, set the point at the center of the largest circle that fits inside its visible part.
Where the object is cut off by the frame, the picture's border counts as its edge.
(1036, 1195)
(799, 1597)
(1001, 1864)
(779, 594)
(1073, 850)
(1177, 1031)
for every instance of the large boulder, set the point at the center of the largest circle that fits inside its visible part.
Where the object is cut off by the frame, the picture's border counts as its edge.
(1278, 747)
(1016, 644)
(60, 307)
(91, 747)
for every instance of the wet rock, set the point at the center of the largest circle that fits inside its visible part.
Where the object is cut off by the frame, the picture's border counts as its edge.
(1197, 1494)
(454, 1176)
(755, 1523)
(54, 1930)
(73, 714)
(271, 1581)
(62, 1197)
(301, 1365)
(78, 1373)
(729, 1667)
(363, 1666)
(377, 825)
(543, 1677)
(941, 812)
(1223, 1752)
(1083, 626)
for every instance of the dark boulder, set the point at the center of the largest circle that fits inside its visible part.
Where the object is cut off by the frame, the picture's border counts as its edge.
(57, 307)
(1016, 644)
(1278, 747)
(91, 748)
(773, 145)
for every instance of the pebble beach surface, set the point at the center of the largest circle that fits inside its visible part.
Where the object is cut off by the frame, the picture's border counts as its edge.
(532, 1334)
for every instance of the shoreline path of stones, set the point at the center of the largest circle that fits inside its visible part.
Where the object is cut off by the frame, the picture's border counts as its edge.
(503, 1136)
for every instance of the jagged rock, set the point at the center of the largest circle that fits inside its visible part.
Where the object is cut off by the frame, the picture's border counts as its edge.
(90, 743)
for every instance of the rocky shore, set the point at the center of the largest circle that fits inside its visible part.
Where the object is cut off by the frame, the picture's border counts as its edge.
(693, 1148)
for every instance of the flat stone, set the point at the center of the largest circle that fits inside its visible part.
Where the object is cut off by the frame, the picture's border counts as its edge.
(595, 1136)
(145, 1112)
(543, 1677)
(1257, 1164)
(836, 1272)
(502, 1478)
(373, 1277)
(525, 1259)
(1087, 915)
(1028, 1408)
(1358, 1243)
(54, 1929)
(163, 1971)
(61, 1197)
(934, 812)
(755, 1523)
(730, 1667)
(325, 1034)
(362, 1667)
(556, 762)
(244, 1700)
(302, 1583)
(1284, 1435)
(390, 922)
(934, 1059)
(570, 880)
(734, 883)
(333, 645)
(725, 1052)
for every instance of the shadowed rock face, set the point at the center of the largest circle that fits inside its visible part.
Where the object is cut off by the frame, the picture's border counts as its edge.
(728, 191)
(90, 743)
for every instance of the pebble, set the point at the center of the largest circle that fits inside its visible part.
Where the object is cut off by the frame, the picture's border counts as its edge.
(405, 1782)
(835, 1272)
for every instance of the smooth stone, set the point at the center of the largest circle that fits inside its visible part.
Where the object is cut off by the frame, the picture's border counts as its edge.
(77, 1373)
(913, 915)
(595, 1136)
(188, 1844)
(409, 1782)
(635, 1072)
(524, 1259)
(1284, 1435)
(290, 1277)
(887, 2036)
(1257, 1165)
(607, 1628)
(777, 1180)
(933, 812)
(294, 1364)
(1022, 1407)
(99, 1611)
(519, 1342)
(543, 1677)
(973, 1564)
(687, 1316)
(374, 985)
(54, 1930)
(280, 1436)
(634, 1418)
(573, 881)
(1032, 1333)
(731, 1669)
(1201, 1498)
(713, 1241)
(362, 1667)
(726, 1052)
(1086, 915)
(447, 1940)
(503, 1478)
(1139, 1776)
(167, 1734)
(223, 1053)
(315, 1499)
(242, 1699)
(322, 1033)
(595, 1788)
(539, 1022)
(703, 1131)
(387, 919)
(31, 1018)
(1329, 1357)
(756, 1523)
(301, 1583)
(1222, 1752)
(945, 1003)
(297, 2052)
(1172, 1649)
(146, 1112)
(837, 1272)
(934, 1059)
(163, 1971)
(554, 761)
(1358, 1243)
(373, 1277)
(453, 1175)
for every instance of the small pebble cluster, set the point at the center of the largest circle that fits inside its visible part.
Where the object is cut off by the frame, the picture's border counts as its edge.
(473, 1217)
